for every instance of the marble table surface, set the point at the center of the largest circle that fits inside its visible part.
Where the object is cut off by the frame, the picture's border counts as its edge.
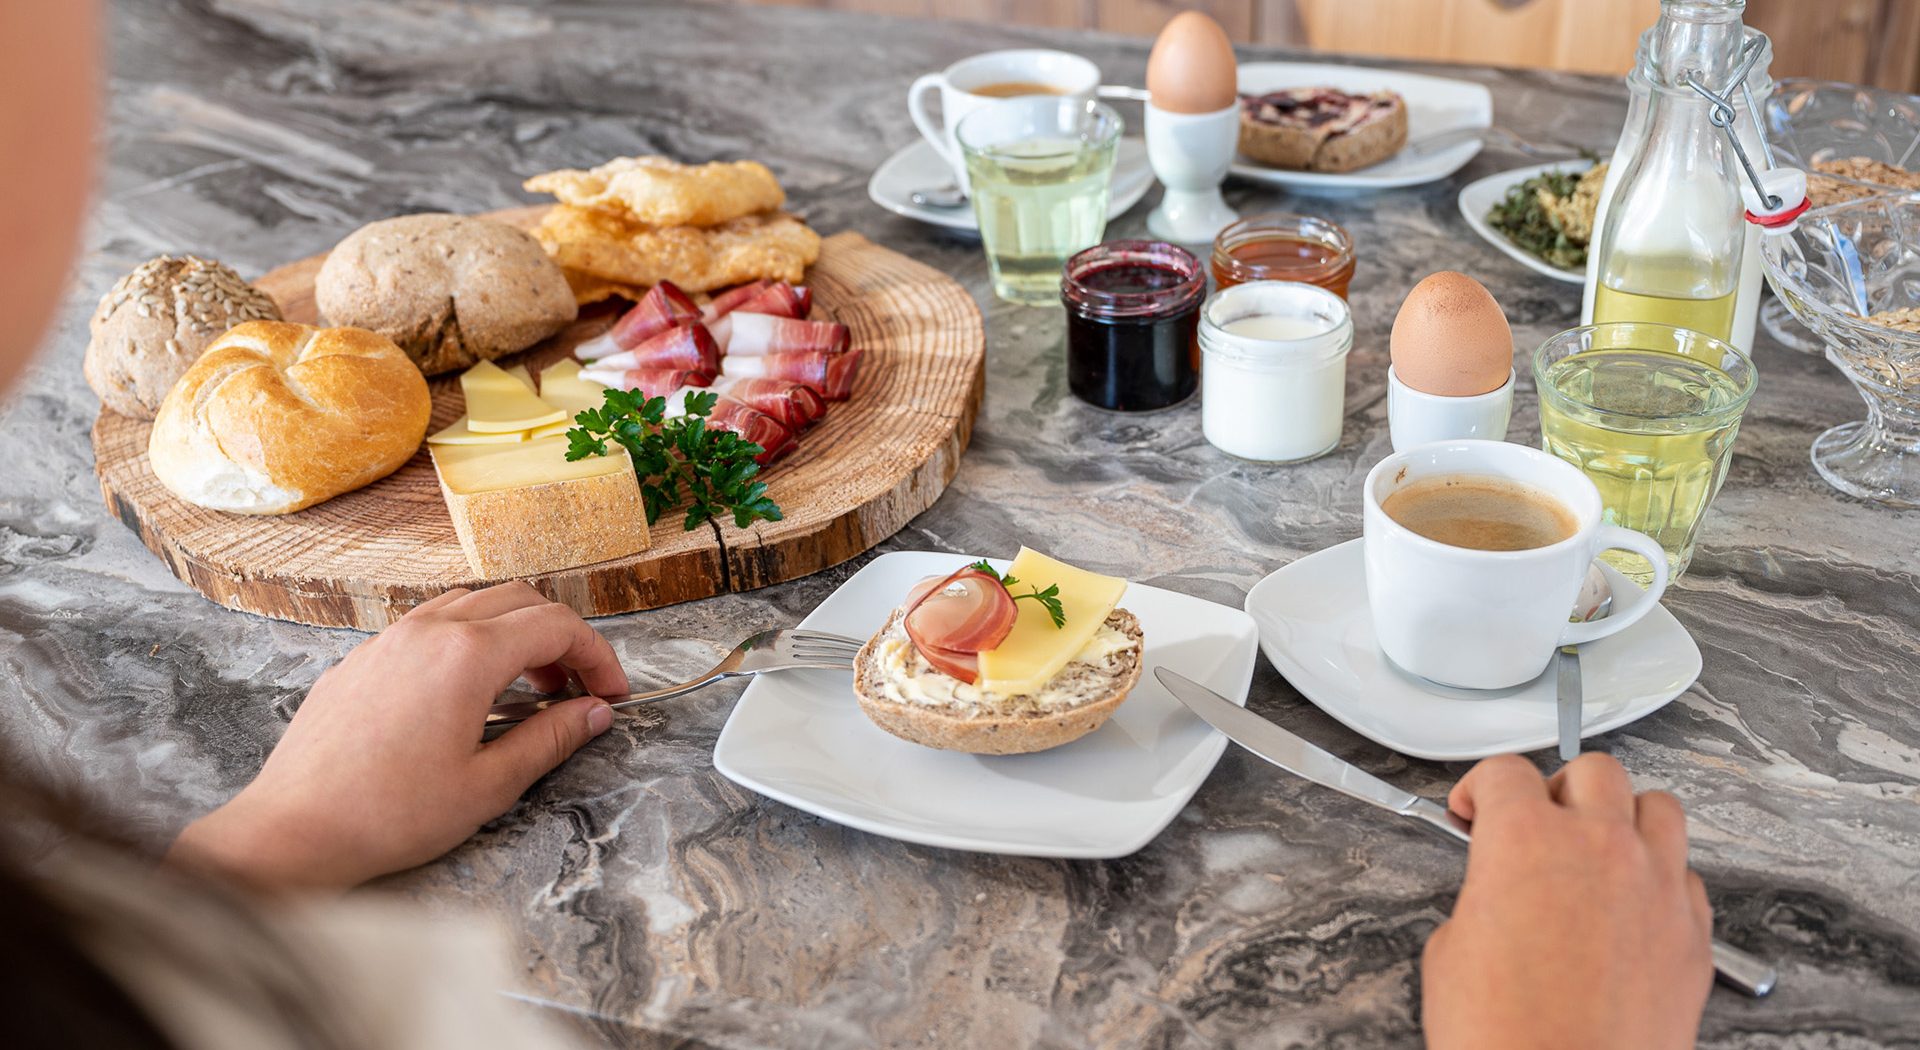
(667, 906)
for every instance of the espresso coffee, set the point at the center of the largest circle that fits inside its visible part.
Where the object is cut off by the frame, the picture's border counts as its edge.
(1014, 89)
(1480, 513)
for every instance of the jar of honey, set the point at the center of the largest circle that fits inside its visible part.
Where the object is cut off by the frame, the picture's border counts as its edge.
(1284, 247)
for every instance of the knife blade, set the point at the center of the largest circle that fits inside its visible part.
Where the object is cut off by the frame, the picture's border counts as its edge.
(1748, 973)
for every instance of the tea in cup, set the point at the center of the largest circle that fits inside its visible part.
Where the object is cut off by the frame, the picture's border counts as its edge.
(974, 82)
(1475, 552)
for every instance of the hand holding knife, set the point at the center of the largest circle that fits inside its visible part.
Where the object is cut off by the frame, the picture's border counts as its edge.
(1735, 967)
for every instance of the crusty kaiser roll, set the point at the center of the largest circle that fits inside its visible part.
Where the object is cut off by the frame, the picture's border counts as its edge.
(450, 289)
(277, 416)
(903, 694)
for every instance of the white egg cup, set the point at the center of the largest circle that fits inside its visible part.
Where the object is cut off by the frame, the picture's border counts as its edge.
(1190, 154)
(1415, 417)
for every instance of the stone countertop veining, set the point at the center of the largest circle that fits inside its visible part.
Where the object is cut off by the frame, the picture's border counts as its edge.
(662, 902)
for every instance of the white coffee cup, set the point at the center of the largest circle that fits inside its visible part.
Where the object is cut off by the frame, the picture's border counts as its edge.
(1415, 417)
(1068, 74)
(1479, 619)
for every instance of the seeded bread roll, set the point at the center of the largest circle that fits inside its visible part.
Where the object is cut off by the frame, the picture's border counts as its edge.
(1003, 725)
(276, 416)
(451, 290)
(156, 321)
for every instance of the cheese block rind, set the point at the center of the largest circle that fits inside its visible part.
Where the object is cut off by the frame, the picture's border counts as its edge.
(521, 510)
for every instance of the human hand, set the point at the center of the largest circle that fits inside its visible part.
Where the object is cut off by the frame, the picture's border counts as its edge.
(383, 767)
(1579, 926)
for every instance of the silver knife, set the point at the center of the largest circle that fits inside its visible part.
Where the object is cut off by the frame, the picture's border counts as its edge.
(1737, 968)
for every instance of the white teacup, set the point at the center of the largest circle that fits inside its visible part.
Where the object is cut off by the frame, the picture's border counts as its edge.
(1064, 74)
(1415, 417)
(1482, 619)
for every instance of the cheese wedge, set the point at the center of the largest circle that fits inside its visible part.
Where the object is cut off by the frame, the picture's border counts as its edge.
(497, 402)
(1035, 650)
(562, 387)
(457, 433)
(523, 509)
(525, 377)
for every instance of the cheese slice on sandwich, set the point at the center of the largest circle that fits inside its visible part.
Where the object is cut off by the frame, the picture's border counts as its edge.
(1035, 650)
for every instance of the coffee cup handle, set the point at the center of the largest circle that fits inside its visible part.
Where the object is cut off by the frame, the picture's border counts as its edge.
(934, 131)
(1612, 537)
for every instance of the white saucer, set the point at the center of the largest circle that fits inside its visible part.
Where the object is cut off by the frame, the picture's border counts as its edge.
(918, 167)
(1315, 628)
(1434, 105)
(799, 737)
(1479, 197)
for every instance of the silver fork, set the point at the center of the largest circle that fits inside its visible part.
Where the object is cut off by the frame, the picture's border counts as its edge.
(766, 651)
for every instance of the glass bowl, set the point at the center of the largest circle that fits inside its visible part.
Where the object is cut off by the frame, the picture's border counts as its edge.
(1841, 265)
(1815, 120)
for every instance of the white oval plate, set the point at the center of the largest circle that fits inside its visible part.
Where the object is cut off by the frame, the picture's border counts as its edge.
(1479, 197)
(918, 167)
(1434, 105)
(799, 737)
(1316, 629)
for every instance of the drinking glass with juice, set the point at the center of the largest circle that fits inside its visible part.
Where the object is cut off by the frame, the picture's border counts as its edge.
(1650, 413)
(1040, 169)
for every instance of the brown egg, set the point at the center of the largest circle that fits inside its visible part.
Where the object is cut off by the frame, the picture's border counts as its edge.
(1451, 338)
(1191, 69)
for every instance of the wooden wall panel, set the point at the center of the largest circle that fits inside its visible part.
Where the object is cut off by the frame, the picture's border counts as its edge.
(1866, 41)
(1145, 17)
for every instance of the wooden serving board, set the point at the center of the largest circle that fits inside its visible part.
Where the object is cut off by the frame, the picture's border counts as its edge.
(362, 559)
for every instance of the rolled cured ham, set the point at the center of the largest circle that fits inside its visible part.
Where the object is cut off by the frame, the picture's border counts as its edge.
(749, 335)
(728, 301)
(830, 375)
(664, 306)
(780, 300)
(952, 619)
(688, 346)
(651, 382)
(796, 405)
(751, 424)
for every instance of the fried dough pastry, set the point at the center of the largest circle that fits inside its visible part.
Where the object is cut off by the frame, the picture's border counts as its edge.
(773, 245)
(659, 191)
(588, 289)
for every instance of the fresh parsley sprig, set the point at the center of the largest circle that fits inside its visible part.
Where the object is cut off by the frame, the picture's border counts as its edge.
(1048, 599)
(713, 468)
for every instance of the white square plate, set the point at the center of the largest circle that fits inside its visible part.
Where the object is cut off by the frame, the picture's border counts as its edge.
(1316, 628)
(1479, 197)
(1434, 105)
(799, 737)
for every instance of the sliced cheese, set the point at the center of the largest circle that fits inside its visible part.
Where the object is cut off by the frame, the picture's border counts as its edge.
(562, 387)
(525, 377)
(457, 433)
(497, 402)
(550, 430)
(487, 468)
(1035, 650)
(522, 509)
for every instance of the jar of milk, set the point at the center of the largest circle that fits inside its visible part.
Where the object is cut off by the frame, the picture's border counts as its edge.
(1273, 374)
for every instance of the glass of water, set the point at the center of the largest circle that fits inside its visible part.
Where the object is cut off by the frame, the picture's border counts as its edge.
(1040, 169)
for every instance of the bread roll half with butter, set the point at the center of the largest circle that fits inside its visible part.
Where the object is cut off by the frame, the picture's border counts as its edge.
(903, 694)
(276, 417)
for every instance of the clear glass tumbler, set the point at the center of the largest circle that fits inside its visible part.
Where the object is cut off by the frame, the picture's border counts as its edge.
(1040, 168)
(1650, 413)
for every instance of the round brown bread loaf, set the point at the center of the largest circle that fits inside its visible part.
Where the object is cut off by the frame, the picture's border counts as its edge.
(449, 289)
(1004, 729)
(277, 416)
(154, 322)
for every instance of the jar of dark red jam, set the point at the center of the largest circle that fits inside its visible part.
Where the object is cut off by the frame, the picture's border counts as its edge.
(1133, 318)
(1284, 247)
